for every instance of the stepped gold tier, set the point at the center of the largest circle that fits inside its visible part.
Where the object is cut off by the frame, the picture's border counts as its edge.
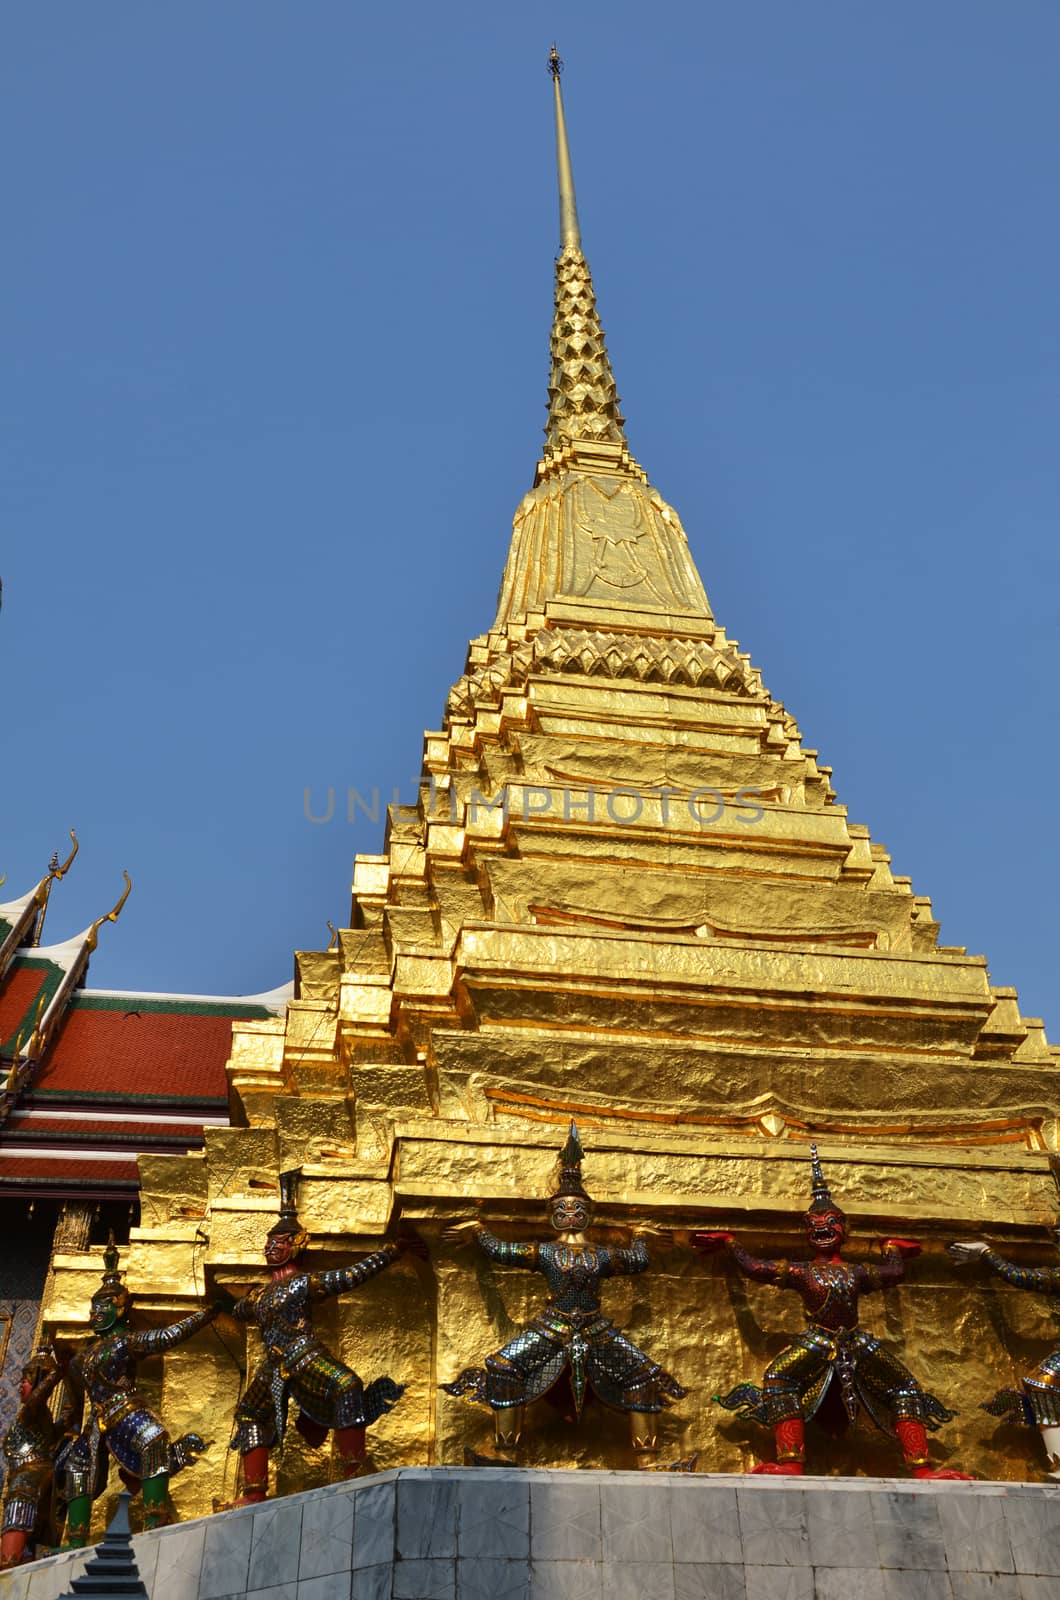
(628, 894)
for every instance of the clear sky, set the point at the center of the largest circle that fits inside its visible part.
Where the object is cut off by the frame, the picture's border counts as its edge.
(277, 285)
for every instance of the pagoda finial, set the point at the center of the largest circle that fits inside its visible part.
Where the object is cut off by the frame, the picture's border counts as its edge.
(582, 398)
(569, 231)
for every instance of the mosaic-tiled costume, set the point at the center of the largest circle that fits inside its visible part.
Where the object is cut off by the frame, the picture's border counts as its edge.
(29, 1448)
(571, 1334)
(833, 1349)
(121, 1419)
(1037, 1401)
(296, 1365)
(120, 1423)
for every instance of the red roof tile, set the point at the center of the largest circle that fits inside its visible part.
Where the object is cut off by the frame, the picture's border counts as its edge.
(13, 1168)
(17, 997)
(103, 1130)
(169, 1055)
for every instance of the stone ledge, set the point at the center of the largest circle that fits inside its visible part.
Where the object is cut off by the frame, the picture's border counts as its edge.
(457, 1533)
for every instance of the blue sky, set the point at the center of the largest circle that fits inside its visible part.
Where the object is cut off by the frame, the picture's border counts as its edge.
(278, 285)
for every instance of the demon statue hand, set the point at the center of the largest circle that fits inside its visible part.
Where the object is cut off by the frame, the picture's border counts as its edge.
(296, 1365)
(833, 1347)
(1038, 1402)
(119, 1422)
(570, 1334)
(30, 1446)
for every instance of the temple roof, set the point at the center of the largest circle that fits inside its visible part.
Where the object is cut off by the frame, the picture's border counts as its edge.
(89, 1078)
(22, 920)
(124, 1073)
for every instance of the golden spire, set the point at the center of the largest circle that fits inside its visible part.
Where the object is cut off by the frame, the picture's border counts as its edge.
(569, 231)
(592, 528)
(582, 398)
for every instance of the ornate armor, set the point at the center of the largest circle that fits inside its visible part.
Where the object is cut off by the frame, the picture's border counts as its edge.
(120, 1423)
(570, 1333)
(1037, 1402)
(833, 1348)
(119, 1418)
(30, 1445)
(296, 1365)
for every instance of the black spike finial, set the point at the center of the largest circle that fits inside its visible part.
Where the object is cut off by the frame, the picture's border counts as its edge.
(112, 1571)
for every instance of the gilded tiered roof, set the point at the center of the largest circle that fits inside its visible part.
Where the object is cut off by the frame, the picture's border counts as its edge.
(627, 893)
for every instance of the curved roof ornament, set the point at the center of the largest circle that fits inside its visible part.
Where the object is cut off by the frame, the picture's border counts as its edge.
(92, 936)
(44, 888)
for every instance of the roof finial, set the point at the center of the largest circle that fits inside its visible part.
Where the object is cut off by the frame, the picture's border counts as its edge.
(36, 1038)
(569, 232)
(55, 874)
(92, 937)
(582, 398)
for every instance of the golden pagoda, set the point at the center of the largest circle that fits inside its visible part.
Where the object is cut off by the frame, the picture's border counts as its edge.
(627, 894)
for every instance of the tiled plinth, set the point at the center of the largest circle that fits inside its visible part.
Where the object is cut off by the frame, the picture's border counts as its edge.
(495, 1534)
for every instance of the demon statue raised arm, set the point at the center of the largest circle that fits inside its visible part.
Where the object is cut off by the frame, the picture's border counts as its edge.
(119, 1422)
(30, 1446)
(1037, 1402)
(296, 1365)
(833, 1348)
(570, 1334)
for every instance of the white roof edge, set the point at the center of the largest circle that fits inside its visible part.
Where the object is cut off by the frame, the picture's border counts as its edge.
(13, 909)
(61, 955)
(273, 999)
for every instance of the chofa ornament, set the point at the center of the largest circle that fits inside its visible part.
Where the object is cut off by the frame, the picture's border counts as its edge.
(833, 1354)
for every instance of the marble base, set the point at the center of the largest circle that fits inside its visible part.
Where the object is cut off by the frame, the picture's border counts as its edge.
(458, 1533)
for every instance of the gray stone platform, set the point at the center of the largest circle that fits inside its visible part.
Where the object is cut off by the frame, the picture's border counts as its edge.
(496, 1534)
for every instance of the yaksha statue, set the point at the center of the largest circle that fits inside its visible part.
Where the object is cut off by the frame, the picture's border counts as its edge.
(120, 1423)
(30, 1445)
(1037, 1402)
(296, 1365)
(571, 1334)
(833, 1349)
